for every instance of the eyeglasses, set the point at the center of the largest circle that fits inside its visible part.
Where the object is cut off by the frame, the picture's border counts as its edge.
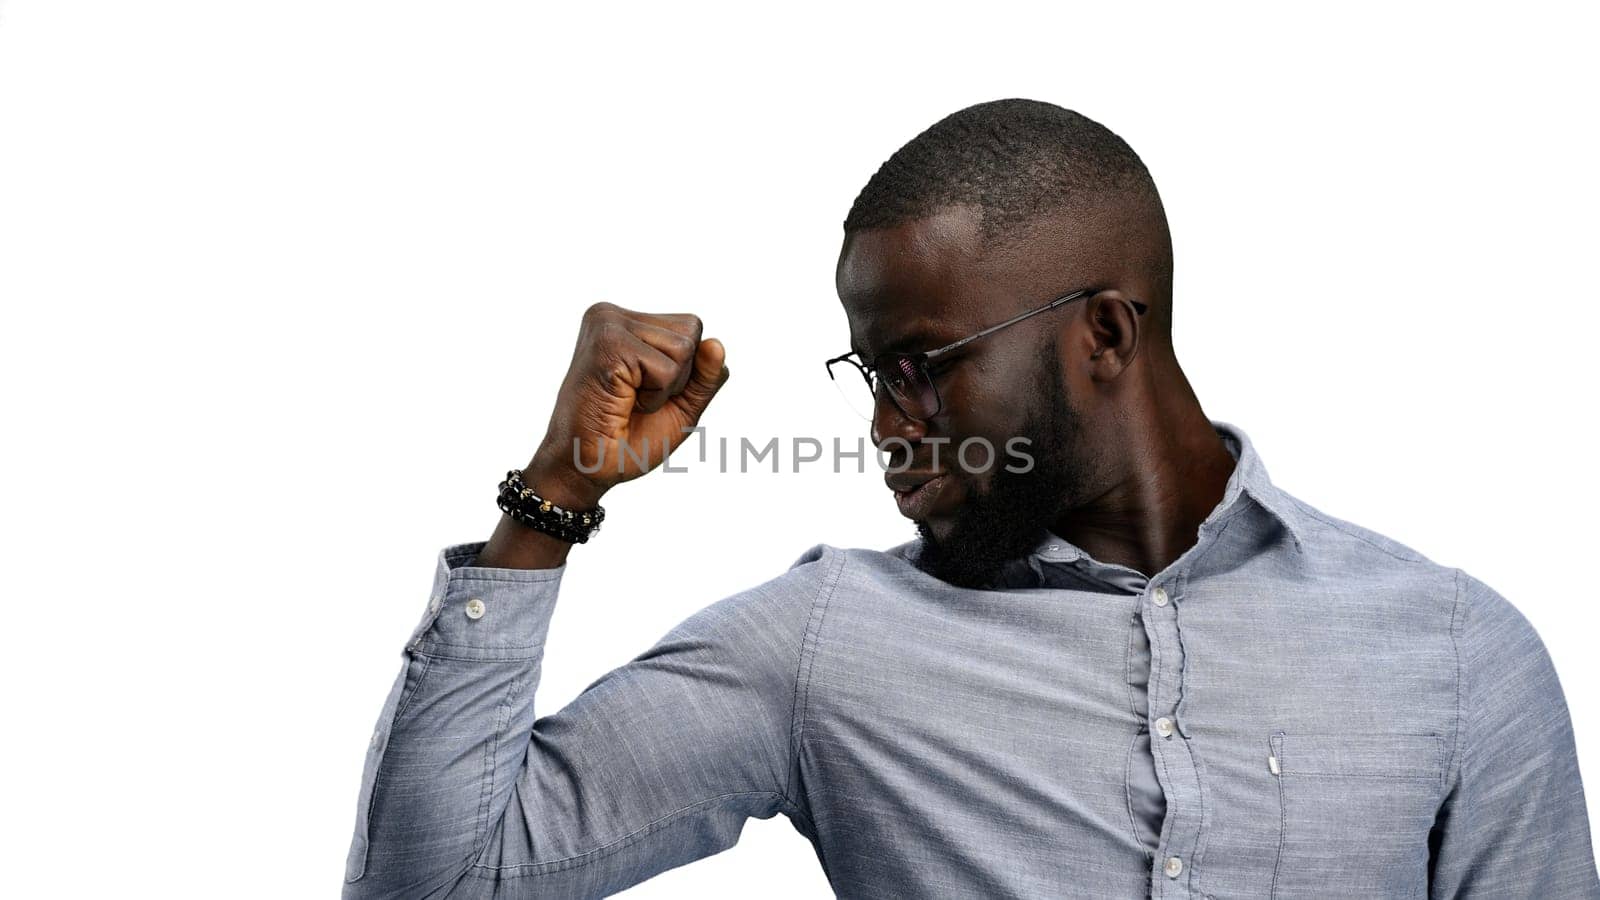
(906, 375)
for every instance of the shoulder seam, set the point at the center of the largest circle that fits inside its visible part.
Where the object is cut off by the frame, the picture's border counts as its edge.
(808, 654)
(1320, 517)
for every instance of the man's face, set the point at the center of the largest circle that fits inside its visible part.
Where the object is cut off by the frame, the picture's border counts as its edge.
(923, 285)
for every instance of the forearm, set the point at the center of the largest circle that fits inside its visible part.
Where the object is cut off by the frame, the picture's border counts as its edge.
(453, 735)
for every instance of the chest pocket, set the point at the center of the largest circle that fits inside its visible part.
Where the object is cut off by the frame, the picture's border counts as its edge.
(1356, 812)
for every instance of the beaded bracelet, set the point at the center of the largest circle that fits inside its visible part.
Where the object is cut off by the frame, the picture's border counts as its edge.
(519, 501)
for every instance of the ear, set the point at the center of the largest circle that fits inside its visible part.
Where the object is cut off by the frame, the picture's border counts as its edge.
(1113, 330)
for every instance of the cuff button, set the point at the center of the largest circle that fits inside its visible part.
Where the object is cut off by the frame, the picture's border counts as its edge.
(474, 608)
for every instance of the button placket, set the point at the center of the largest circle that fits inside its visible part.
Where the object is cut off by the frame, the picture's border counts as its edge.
(1164, 621)
(1174, 759)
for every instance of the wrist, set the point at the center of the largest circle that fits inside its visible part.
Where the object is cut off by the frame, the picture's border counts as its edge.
(518, 544)
(556, 480)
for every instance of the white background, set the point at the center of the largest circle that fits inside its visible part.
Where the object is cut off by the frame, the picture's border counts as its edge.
(288, 286)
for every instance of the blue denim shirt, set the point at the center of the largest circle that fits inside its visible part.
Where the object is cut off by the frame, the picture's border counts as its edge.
(1296, 706)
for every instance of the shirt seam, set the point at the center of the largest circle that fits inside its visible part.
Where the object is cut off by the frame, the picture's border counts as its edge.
(1139, 716)
(450, 646)
(1203, 833)
(503, 716)
(483, 654)
(570, 862)
(801, 698)
(1127, 778)
(1172, 810)
(1138, 726)
(1457, 622)
(1313, 513)
(457, 575)
(383, 753)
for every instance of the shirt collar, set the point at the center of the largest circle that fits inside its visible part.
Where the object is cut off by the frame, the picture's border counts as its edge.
(1249, 479)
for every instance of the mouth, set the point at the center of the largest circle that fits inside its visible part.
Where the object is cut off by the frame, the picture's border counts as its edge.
(916, 494)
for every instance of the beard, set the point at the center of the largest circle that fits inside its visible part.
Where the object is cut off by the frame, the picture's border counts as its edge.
(1006, 521)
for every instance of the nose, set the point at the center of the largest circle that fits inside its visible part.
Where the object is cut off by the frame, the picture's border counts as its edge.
(888, 421)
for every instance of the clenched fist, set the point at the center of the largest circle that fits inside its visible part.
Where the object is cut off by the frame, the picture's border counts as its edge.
(638, 381)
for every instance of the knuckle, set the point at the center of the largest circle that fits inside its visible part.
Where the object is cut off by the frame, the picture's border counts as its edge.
(607, 349)
(609, 332)
(605, 311)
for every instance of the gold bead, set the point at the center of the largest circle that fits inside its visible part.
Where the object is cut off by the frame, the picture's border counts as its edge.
(545, 506)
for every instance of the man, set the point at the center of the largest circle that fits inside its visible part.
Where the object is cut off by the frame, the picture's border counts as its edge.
(1136, 667)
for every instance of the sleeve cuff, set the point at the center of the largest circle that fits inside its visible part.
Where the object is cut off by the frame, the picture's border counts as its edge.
(476, 612)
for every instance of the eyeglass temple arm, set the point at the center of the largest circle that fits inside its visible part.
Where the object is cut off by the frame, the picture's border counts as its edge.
(1011, 321)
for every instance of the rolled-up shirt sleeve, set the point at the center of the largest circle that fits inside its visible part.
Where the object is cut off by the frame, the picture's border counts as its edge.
(466, 792)
(1514, 823)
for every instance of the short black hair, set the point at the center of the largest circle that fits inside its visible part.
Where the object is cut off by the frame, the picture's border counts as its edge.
(1016, 159)
(1020, 160)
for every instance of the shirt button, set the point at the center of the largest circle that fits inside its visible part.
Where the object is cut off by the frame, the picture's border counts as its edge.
(474, 608)
(1174, 867)
(1161, 596)
(1164, 728)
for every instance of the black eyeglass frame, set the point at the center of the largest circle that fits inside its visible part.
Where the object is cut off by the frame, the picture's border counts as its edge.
(920, 361)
